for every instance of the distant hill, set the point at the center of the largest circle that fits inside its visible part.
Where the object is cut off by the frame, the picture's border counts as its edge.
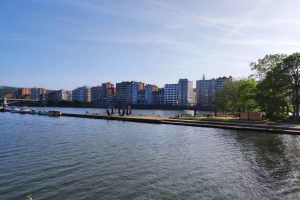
(6, 89)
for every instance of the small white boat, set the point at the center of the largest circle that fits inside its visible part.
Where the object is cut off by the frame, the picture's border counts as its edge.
(14, 110)
(24, 110)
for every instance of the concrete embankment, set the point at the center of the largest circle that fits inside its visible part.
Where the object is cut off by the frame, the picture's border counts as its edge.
(146, 119)
(278, 128)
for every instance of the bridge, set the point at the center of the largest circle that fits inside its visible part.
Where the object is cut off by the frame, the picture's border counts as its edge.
(6, 101)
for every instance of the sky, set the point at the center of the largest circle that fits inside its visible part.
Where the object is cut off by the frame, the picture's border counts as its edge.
(64, 44)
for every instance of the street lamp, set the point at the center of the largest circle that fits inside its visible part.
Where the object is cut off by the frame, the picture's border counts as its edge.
(177, 103)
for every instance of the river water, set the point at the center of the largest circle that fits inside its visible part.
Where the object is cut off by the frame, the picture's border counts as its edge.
(170, 113)
(74, 158)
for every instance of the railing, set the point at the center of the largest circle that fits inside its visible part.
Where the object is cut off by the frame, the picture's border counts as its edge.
(5, 101)
(1, 99)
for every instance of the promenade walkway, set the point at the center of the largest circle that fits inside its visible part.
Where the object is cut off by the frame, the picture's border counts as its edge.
(282, 128)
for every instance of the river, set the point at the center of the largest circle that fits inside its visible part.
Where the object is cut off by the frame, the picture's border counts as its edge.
(169, 113)
(75, 158)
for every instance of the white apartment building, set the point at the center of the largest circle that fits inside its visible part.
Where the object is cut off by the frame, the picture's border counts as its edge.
(82, 94)
(185, 92)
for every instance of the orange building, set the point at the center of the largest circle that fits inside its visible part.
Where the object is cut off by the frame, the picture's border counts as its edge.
(23, 93)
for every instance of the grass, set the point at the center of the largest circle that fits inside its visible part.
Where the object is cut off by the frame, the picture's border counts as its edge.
(224, 119)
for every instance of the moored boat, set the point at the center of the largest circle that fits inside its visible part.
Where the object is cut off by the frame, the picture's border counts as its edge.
(14, 110)
(24, 110)
(3, 109)
(33, 112)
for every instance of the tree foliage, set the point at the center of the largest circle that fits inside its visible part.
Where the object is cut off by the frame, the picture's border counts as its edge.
(277, 92)
(266, 64)
(236, 96)
(246, 95)
(290, 67)
(272, 93)
(279, 85)
(226, 97)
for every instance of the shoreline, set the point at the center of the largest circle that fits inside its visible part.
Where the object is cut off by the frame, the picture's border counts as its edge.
(278, 128)
(271, 128)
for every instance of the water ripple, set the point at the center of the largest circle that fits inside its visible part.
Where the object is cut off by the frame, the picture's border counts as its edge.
(70, 158)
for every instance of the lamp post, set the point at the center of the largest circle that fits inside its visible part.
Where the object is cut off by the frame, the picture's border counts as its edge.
(177, 103)
(215, 104)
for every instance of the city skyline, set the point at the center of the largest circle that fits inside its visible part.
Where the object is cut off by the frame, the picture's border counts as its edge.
(181, 93)
(67, 44)
(100, 83)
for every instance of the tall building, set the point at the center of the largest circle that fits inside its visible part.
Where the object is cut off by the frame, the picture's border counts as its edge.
(171, 94)
(149, 89)
(136, 87)
(23, 93)
(185, 92)
(195, 97)
(158, 97)
(124, 93)
(37, 93)
(141, 96)
(59, 95)
(206, 89)
(108, 93)
(82, 94)
(96, 94)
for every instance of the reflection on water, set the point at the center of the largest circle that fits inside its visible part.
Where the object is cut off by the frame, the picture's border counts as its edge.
(276, 156)
(72, 158)
(134, 111)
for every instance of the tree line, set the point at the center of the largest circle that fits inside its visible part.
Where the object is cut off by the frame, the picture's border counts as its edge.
(274, 88)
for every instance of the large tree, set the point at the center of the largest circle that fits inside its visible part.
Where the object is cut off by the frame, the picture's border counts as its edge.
(266, 64)
(272, 90)
(246, 95)
(226, 99)
(290, 67)
(236, 96)
(272, 93)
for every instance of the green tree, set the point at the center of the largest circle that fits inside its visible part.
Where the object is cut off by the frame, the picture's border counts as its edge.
(264, 65)
(246, 95)
(236, 96)
(29, 197)
(272, 93)
(227, 97)
(290, 67)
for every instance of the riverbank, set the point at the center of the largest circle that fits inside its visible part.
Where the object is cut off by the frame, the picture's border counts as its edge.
(225, 119)
(210, 122)
(97, 105)
(282, 128)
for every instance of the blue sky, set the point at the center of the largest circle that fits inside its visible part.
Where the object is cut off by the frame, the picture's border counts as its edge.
(63, 44)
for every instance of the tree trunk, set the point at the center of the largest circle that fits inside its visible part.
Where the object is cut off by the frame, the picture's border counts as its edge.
(287, 110)
(297, 103)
